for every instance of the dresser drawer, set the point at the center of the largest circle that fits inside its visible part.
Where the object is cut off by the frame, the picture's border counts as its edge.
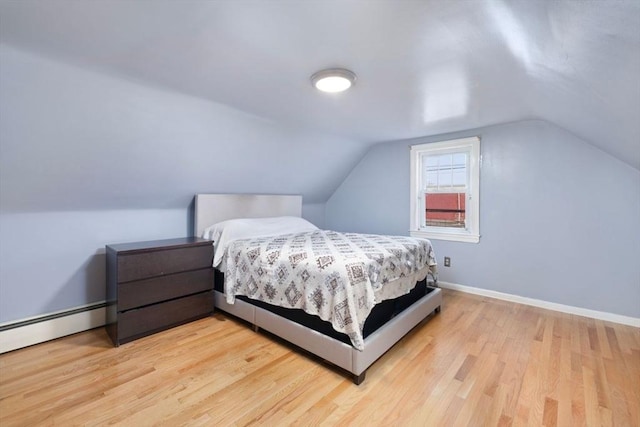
(147, 320)
(148, 291)
(168, 261)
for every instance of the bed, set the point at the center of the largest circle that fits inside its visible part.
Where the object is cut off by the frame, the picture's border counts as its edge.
(385, 323)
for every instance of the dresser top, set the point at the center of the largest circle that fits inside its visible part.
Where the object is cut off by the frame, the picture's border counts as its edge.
(159, 244)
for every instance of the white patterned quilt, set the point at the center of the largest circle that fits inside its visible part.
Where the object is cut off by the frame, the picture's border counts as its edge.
(336, 276)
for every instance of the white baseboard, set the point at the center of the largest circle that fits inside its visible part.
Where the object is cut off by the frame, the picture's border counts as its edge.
(594, 314)
(35, 332)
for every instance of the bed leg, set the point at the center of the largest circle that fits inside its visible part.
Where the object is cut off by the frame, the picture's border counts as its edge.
(437, 310)
(256, 328)
(358, 379)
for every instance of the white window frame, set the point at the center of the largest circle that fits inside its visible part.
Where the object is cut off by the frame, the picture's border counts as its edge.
(471, 233)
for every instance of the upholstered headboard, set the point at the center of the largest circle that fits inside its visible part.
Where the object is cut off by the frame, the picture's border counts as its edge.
(213, 208)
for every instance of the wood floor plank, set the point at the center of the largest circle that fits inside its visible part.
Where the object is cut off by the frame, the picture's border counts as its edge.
(479, 362)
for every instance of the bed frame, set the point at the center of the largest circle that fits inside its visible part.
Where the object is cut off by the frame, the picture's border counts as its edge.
(212, 208)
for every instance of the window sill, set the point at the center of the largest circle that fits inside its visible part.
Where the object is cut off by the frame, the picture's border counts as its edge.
(453, 237)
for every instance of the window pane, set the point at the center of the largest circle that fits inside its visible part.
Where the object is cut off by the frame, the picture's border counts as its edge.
(431, 179)
(460, 178)
(460, 159)
(444, 179)
(430, 161)
(445, 209)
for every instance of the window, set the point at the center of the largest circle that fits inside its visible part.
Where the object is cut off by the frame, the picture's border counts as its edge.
(445, 190)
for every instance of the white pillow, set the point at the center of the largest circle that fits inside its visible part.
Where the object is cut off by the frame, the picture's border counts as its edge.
(225, 232)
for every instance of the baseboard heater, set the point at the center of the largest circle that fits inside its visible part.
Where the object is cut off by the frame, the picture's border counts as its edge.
(38, 329)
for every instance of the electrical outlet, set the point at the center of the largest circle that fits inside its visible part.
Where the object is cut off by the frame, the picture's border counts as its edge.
(447, 261)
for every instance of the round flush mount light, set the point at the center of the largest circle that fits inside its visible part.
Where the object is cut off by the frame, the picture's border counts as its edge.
(333, 80)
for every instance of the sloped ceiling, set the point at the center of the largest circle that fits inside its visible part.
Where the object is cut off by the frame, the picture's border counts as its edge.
(424, 67)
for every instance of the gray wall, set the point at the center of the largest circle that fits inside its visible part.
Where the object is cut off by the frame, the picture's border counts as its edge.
(559, 219)
(88, 159)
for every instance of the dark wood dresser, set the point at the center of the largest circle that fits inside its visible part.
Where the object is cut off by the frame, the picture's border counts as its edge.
(156, 285)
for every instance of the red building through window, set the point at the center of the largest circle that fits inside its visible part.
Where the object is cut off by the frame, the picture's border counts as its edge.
(445, 209)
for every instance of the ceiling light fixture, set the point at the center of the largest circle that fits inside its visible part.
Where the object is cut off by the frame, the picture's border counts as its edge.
(333, 80)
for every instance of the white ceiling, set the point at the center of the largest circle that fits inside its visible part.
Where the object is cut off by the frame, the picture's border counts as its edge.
(424, 67)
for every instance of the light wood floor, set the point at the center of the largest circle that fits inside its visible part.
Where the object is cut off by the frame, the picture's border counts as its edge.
(479, 362)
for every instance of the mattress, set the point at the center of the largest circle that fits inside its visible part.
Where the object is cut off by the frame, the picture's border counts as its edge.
(379, 315)
(338, 277)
